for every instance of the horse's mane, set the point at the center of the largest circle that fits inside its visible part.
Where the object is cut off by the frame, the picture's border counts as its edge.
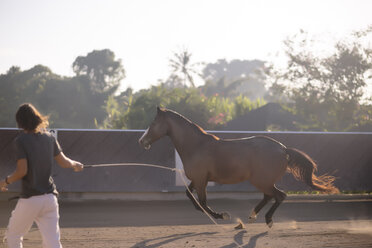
(178, 117)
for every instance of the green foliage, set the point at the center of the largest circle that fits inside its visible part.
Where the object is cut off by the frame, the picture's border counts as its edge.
(343, 192)
(70, 102)
(327, 91)
(101, 68)
(18, 86)
(242, 105)
(208, 112)
(221, 87)
(142, 109)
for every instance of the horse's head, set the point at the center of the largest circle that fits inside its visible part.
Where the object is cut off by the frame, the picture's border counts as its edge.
(155, 131)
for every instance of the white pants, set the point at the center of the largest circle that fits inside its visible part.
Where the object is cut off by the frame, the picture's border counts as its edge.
(43, 210)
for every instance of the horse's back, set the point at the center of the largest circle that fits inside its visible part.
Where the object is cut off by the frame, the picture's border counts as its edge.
(258, 145)
(255, 140)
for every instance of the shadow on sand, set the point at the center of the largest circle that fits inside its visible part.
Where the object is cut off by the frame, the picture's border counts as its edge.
(238, 238)
(167, 239)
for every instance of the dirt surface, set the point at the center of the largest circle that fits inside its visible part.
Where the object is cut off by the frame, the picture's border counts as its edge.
(297, 223)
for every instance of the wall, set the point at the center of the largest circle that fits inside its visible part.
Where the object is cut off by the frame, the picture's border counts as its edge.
(347, 156)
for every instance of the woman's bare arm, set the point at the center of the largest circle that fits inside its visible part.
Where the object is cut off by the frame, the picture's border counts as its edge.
(19, 173)
(66, 162)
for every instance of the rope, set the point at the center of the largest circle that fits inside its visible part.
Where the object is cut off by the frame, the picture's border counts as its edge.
(160, 167)
(182, 172)
(131, 164)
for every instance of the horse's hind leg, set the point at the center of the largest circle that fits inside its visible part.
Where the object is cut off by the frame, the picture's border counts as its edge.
(252, 218)
(279, 196)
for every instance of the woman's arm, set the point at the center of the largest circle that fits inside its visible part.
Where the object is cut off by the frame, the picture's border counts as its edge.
(18, 174)
(66, 162)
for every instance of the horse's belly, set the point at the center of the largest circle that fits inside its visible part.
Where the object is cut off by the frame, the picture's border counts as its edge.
(231, 174)
(230, 180)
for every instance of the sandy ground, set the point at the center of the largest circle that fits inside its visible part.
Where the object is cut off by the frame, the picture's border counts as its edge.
(297, 223)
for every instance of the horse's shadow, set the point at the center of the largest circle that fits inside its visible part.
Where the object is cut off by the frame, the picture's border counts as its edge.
(238, 238)
(167, 239)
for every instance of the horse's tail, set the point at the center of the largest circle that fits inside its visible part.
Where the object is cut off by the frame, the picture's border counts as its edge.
(303, 167)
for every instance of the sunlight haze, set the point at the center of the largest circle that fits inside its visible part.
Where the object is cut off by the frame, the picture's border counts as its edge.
(144, 34)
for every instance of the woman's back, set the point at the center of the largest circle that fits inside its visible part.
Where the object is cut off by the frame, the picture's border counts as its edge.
(39, 149)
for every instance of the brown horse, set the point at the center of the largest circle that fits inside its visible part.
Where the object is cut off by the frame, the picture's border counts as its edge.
(260, 160)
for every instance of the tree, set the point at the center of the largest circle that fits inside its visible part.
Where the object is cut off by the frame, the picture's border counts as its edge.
(136, 111)
(69, 102)
(328, 91)
(235, 77)
(100, 66)
(222, 87)
(183, 70)
(17, 87)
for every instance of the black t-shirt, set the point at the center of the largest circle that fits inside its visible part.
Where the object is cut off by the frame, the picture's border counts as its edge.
(39, 149)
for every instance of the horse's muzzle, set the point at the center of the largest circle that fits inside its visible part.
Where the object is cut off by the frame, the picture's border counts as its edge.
(144, 143)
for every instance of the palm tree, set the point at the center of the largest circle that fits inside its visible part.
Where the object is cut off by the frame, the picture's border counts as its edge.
(182, 69)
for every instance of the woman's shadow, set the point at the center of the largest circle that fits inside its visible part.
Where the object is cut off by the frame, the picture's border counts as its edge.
(238, 238)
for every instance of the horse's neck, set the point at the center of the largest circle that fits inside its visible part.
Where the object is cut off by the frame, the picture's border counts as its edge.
(185, 137)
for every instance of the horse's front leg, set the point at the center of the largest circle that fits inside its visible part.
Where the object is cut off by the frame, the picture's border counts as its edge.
(202, 196)
(189, 194)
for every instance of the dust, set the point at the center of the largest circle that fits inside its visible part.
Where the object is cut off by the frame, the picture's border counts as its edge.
(360, 227)
(353, 226)
(240, 224)
(238, 220)
(293, 224)
(289, 223)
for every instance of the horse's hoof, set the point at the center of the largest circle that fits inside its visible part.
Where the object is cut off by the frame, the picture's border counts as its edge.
(252, 218)
(225, 216)
(269, 223)
(239, 226)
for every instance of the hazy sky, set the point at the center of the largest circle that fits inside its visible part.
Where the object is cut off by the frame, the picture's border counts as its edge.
(145, 33)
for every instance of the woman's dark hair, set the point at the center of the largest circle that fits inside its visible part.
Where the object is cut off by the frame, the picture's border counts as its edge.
(29, 118)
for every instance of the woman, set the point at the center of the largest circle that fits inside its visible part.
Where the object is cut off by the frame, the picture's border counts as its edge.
(35, 151)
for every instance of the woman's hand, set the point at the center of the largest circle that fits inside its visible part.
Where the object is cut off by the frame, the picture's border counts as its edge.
(18, 174)
(3, 185)
(77, 166)
(66, 162)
